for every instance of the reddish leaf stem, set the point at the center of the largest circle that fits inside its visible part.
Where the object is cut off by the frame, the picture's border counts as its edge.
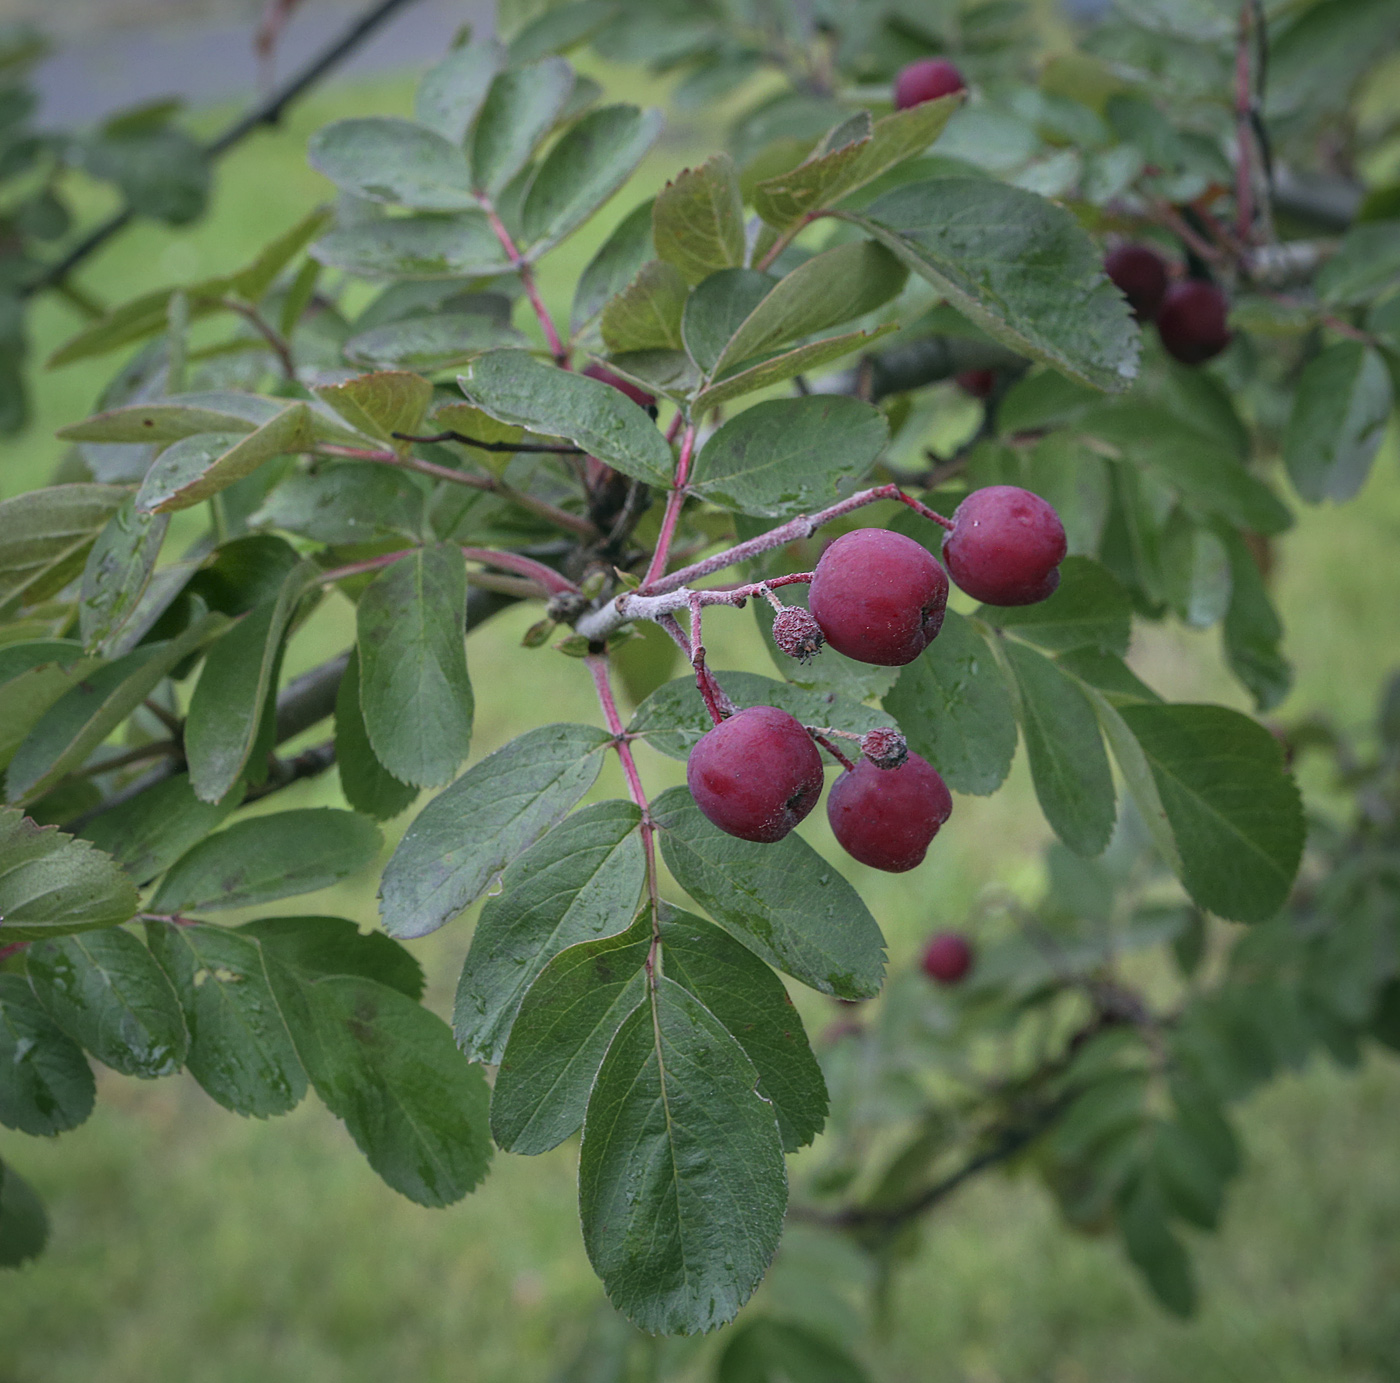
(521, 265)
(674, 503)
(13, 949)
(549, 581)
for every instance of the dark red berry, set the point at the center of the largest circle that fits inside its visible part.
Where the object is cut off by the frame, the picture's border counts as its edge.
(926, 80)
(1141, 276)
(885, 747)
(886, 817)
(1006, 546)
(1192, 321)
(638, 395)
(878, 596)
(755, 775)
(947, 957)
(978, 383)
(797, 633)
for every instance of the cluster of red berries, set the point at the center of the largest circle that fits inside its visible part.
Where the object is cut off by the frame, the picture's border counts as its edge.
(877, 597)
(1190, 314)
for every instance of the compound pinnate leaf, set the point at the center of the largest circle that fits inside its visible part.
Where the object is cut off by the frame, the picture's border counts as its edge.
(1019, 266)
(954, 709)
(415, 247)
(1069, 765)
(150, 831)
(52, 884)
(382, 403)
(646, 314)
(1089, 608)
(784, 902)
(520, 108)
(451, 93)
(751, 1003)
(581, 881)
(45, 536)
(24, 1227)
(565, 1024)
(614, 266)
(787, 456)
(117, 573)
(411, 625)
(267, 857)
(105, 990)
(1340, 409)
(240, 1050)
(316, 947)
(386, 159)
(468, 833)
(584, 169)
(368, 786)
(698, 219)
(682, 1186)
(46, 1085)
(1232, 805)
(513, 387)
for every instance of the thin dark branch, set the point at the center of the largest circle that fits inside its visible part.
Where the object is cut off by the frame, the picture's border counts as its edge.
(268, 112)
(276, 342)
(282, 773)
(491, 446)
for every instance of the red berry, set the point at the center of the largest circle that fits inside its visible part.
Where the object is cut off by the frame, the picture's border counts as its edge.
(1191, 321)
(978, 383)
(797, 633)
(638, 395)
(947, 957)
(755, 775)
(1006, 546)
(878, 596)
(886, 817)
(1141, 275)
(926, 80)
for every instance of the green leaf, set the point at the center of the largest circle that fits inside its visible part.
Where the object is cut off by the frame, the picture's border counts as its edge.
(386, 159)
(24, 1227)
(451, 94)
(117, 573)
(1341, 405)
(835, 286)
(382, 403)
(1195, 571)
(33, 675)
(1233, 807)
(1017, 265)
(45, 536)
(1191, 1184)
(1089, 608)
(162, 173)
(953, 707)
(698, 219)
(411, 624)
(80, 720)
(520, 109)
(178, 416)
(513, 387)
(771, 1351)
(583, 170)
(614, 266)
(754, 1008)
(415, 247)
(783, 367)
(106, 992)
(844, 162)
(46, 1085)
(783, 901)
(561, 28)
(1155, 1250)
(1068, 764)
(432, 343)
(232, 702)
(1075, 480)
(789, 456)
(240, 1051)
(498, 808)
(1365, 267)
(149, 832)
(316, 947)
(368, 786)
(682, 1186)
(262, 273)
(560, 1034)
(673, 718)
(347, 502)
(717, 308)
(389, 1069)
(581, 881)
(646, 314)
(1253, 631)
(267, 857)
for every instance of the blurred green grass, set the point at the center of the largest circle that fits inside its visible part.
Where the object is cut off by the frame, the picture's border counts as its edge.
(192, 1245)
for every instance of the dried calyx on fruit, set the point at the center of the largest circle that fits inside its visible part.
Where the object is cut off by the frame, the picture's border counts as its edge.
(885, 747)
(797, 633)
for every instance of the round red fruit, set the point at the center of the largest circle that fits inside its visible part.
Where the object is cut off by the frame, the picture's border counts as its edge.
(978, 383)
(1192, 321)
(948, 957)
(926, 80)
(1006, 546)
(1141, 276)
(638, 395)
(755, 775)
(886, 817)
(878, 596)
